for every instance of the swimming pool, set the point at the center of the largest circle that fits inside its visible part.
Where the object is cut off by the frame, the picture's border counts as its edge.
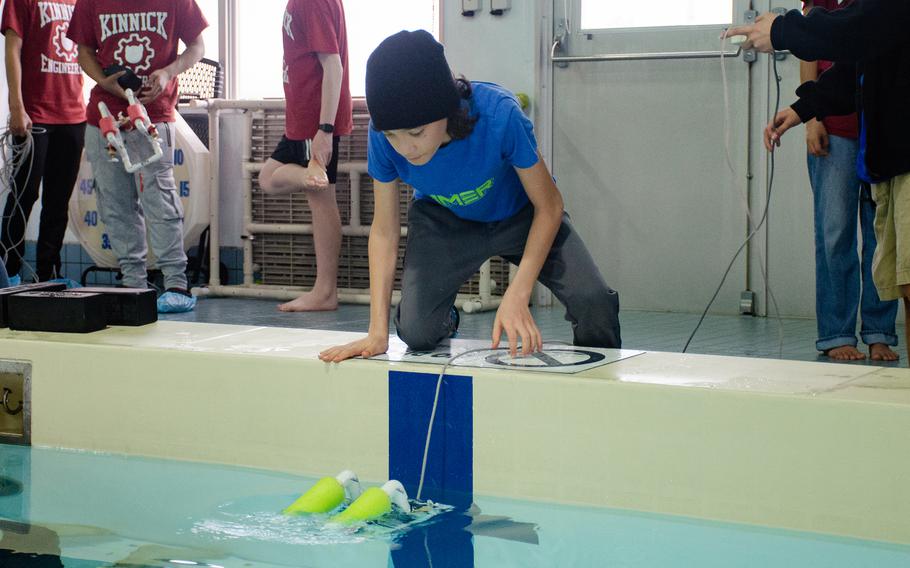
(93, 509)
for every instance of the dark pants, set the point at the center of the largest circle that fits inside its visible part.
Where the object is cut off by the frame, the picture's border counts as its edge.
(55, 160)
(444, 251)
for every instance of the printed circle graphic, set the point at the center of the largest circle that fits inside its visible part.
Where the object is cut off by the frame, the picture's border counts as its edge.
(550, 358)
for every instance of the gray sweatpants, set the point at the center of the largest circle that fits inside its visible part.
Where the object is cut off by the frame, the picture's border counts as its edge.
(127, 201)
(443, 251)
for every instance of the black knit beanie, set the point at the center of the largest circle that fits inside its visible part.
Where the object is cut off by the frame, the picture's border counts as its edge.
(409, 82)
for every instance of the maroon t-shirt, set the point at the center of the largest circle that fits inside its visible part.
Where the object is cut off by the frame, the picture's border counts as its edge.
(311, 27)
(846, 126)
(141, 35)
(51, 76)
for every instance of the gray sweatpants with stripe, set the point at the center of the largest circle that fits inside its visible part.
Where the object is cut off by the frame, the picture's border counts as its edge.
(127, 202)
(444, 251)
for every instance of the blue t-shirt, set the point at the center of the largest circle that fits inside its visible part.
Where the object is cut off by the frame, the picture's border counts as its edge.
(474, 177)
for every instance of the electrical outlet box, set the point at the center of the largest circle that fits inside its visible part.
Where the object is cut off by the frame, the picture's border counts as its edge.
(15, 402)
(469, 7)
(747, 303)
(498, 7)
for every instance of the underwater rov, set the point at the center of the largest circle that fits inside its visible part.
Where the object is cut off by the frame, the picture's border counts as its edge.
(327, 494)
(330, 492)
(374, 503)
(138, 118)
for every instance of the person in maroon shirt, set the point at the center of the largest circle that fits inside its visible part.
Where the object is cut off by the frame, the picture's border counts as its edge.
(140, 36)
(318, 112)
(843, 283)
(46, 104)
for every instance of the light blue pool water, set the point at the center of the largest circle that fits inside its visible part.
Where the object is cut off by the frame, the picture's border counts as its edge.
(75, 509)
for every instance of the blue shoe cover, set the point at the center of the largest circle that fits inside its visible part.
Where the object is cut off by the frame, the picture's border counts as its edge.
(175, 303)
(15, 281)
(70, 283)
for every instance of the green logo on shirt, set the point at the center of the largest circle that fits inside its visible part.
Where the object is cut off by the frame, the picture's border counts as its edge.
(465, 197)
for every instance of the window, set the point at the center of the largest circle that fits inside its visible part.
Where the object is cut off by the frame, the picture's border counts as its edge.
(369, 22)
(259, 51)
(597, 14)
(259, 43)
(210, 34)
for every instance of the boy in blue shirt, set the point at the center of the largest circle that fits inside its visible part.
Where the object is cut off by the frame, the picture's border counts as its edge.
(481, 189)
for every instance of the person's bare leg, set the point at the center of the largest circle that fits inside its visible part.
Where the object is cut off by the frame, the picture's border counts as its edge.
(327, 240)
(277, 178)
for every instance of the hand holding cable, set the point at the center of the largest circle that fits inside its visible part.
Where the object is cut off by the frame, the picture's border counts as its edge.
(758, 35)
(783, 121)
(20, 123)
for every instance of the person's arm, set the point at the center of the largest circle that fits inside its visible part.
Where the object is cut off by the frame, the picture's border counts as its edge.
(816, 134)
(383, 250)
(88, 60)
(160, 78)
(332, 73)
(863, 30)
(833, 94)
(513, 316)
(19, 121)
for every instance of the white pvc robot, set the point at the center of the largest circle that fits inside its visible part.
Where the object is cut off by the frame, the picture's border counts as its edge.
(137, 118)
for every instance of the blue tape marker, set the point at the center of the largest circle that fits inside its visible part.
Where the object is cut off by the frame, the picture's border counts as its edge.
(450, 462)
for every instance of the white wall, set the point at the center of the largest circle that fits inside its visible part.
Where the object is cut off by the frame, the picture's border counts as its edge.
(499, 49)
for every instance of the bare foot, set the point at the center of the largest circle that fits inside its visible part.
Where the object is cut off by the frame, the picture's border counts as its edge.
(310, 302)
(881, 352)
(314, 176)
(845, 353)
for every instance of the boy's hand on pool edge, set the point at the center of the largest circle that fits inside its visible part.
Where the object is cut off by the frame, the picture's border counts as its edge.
(514, 318)
(367, 347)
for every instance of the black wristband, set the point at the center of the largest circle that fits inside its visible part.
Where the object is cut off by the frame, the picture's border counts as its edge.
(326, 127)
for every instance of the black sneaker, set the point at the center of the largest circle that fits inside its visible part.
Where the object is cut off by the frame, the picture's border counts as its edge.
(456, 319)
